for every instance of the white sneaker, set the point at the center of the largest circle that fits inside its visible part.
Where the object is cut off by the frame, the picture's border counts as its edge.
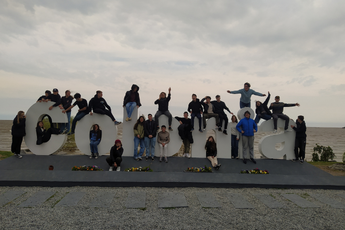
(111, 168)
(275, 131)
(184, 155)
(91, 157)
(118, 169)
(19, 156)
(188, 155)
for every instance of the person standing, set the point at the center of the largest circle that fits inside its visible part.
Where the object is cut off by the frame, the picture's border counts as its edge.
(82, 111)
(163, 141)
(235, 136)
(66, 102)
(246, 94)
(262, 111)
(184, 130)
(95, 139)
(18, 132)
(115, 158)
(247, 127)
(208, 111)
(150, 129)
(195, 110)
(163, 108)
(301, 138)
(139, 134)
(219, 107)
(131, 100)
(277, 108)
(211, 152)
(99, 105)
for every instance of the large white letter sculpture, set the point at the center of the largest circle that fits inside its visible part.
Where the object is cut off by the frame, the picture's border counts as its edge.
(35, 114)
(82, 133)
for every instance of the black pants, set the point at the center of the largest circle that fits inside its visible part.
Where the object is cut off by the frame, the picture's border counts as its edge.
(47, 135)
(106, 112)
(110, 162)
(282, 116)
(16, 144)
(185, 133)
(300, 144)
(223, 116)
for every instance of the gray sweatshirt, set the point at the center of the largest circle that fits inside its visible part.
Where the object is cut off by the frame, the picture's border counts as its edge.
(163, 137)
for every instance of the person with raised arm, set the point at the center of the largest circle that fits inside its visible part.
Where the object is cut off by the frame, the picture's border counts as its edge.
(163, 140)
(219, 107)
(301, 138)
(66, 102)
(82, 111)
(131, 100)
(246, 94)
(208, 111)
(184, 131)
(99, 105)
(55, 97)
(247, 127)
(195, 110)
(262, 111)
(277, 108)
(139, 134)
(44, 97)
(18, 132)
(163, 108)
(211, 152)
(115, 158)
(150, 129)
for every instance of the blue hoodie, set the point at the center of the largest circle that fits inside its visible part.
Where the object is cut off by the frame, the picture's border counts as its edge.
(248, 125)
(245, 95)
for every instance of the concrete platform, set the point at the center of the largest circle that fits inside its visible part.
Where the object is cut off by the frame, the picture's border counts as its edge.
(33, 170)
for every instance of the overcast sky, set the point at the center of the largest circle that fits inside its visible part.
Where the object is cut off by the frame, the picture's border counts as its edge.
(294, 49)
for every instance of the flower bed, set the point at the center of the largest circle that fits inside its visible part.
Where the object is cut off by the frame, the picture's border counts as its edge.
(255, 171)
(140, 169)
(86, 168)
(199, 169)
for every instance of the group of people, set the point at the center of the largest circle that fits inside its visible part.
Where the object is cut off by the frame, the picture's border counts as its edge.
(145, 132)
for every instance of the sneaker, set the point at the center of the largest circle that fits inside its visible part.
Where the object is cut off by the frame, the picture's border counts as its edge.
(160, 159)
(275, 131)
(200, 130)
(91, 156)
(127, 119)
(140, 159)
(96, 157)
(117, 122)
(137, 159)
(64, 131)
(188, 155)
(166, 160)
(225, 132)
(71, 133)
(111, 168)
(219, 129)
(118, 169)
(302, 161)
(244, 161)
(147, 158)
(219, 165)
(153, 158)
(19, 156)
(252, 159)
(184, 155)
(170, 129)
(192, 129)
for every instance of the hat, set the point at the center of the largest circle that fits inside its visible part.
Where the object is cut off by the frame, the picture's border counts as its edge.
(55, 90)
(118, 141)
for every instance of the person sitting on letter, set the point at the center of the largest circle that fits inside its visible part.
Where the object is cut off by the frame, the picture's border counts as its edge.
(195, 109)
(163, 108)
(131, 100)
(262, 111)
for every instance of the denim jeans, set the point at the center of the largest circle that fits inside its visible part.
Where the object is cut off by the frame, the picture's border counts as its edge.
(242, 104)
(77, 117)
(68, 124)
(150, 146)
(138, 141)
(130, 106)
(93, 146)
(234, 146)
(198, 115)
(264, 116)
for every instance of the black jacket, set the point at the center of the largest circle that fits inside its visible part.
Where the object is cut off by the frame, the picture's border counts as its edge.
(66, 101)
(55, 98)
(99, 135)
(210, 152)
(98, 103)
(195, 106)
(40, 134)
(300, 129)
(150, 128)
(127, 97)
(163, 103)
(264, 106)
(18, 129)
(115, 153)
(218, 107)
(205, 105)
(278, 107)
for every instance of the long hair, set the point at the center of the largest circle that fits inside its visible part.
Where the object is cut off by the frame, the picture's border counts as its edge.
(138, 122)
(235, 118)
(211, 144)
(98, 131)
(38, 123)
(20, 116)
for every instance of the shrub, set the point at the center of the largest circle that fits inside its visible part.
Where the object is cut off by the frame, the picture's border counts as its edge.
(315, 157)
(326, 153)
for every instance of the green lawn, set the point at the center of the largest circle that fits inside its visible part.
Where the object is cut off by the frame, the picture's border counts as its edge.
(5, 154)
(322, 163)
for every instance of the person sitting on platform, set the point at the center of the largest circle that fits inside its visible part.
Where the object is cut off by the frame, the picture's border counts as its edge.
(219, 107)
(247, 127)
(150, 129)
(66, 102)
(44, 135)
(277, 108)
(139, 134)
(301, 138)
(98, 105)
(208, 111)
(262, 111)
(246, 94)
(195, 110)
(211, 152)
(235, 136)
(163, 108)
(131, 100)
(55, 97)
(82, 111)
(44, 97)
(185, 133)
(95, 139)
(163, 140)
(115, 158)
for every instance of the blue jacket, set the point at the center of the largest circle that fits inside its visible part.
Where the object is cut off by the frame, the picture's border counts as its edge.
(245, 95)
(248, 125)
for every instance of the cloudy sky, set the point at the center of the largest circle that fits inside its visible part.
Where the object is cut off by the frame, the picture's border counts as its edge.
(294, 49)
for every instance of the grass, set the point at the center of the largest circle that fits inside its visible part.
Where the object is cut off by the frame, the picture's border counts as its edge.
(5, 154)
(322, 163)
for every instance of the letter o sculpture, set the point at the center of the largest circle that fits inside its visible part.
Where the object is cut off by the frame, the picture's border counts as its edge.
(35, 114)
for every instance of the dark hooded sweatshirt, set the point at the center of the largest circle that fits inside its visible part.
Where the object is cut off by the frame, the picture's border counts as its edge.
(195, 106)
(263, 107)
(132, 96)
(300, 129)
(98, 103)
(163, 103)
